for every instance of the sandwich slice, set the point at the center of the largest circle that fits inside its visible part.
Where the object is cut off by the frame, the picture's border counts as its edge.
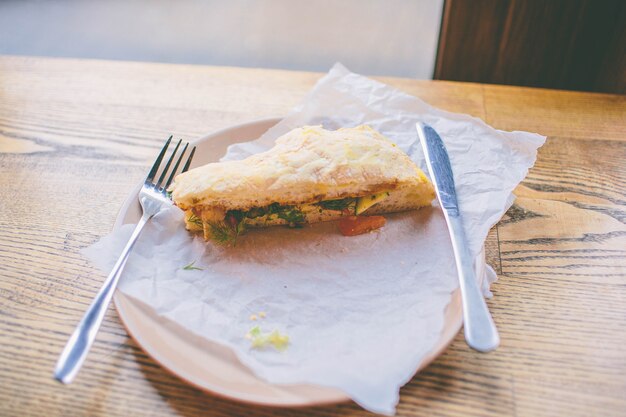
(310, 175)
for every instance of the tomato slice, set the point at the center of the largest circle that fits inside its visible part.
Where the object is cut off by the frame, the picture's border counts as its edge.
(357, 225)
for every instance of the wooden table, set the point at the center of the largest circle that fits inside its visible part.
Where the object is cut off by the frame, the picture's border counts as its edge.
(76, 136)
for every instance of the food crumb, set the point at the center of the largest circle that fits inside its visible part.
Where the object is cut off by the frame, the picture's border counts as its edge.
(262, 340)
(253, 317)
(262, 314)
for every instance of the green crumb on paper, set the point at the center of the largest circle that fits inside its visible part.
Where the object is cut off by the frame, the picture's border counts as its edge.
(190, 267)
(262, 340)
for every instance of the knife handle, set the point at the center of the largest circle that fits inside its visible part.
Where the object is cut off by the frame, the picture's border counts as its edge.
(480, 331)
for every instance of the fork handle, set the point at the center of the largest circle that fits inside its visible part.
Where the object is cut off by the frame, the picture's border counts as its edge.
(80, 342)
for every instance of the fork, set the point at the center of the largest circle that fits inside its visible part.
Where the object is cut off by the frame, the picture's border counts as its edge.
(153, 198)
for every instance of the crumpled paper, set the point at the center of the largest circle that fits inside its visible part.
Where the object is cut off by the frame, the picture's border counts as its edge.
(361, 312)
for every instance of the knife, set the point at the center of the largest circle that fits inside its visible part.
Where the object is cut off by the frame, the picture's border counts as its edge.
(480, 331)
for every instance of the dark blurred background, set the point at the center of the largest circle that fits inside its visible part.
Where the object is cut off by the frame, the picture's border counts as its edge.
(566, 44)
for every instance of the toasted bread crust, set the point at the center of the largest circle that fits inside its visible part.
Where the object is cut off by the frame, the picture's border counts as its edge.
(307, 165)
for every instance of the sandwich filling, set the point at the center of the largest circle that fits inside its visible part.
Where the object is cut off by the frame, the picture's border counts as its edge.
(224, 225)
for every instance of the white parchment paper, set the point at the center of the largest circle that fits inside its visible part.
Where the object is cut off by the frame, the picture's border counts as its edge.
(361, 312)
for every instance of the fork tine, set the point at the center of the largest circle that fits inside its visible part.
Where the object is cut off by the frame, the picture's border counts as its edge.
(186, 167)
(167, 166)
(173, 174)
(157, 163)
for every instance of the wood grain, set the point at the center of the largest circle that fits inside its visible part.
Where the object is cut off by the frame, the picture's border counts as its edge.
(76, 136)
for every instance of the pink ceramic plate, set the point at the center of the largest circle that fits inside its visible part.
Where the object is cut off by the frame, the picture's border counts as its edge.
(215, 368)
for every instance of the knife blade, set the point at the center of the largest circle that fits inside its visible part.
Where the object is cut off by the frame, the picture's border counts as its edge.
(478, 326)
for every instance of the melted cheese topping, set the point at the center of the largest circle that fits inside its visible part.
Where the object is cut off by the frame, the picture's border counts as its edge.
(306, 165)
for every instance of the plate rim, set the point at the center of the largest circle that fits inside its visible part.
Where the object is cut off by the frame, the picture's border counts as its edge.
(338, 396)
